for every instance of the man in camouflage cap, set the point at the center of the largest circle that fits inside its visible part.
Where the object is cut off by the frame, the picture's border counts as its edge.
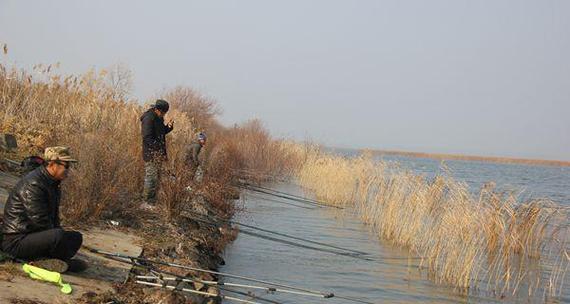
(31, 226)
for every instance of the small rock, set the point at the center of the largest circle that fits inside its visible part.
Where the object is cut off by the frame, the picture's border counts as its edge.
(8, 142)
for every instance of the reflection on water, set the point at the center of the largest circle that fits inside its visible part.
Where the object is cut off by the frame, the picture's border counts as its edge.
(393, 276)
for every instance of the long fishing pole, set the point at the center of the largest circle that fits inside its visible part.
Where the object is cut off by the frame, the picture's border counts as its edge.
(288, 196)
(285, 197)
(159, 276)
(280, 234)
(179, 278)
(250, 294)
(228, 275)
(304, 246)
(283, 194)
(264, 288)
(202, 293)
(244, 184)
(255, 195)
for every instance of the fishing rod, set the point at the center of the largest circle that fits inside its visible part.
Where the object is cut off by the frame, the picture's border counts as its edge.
(179, 278)
(255, 195)
(249, 294)
(202, 293)
(283, 193)
(159, 275)
(304, 201)
(304, 246)
(176, 278)
(355, 252)
(297, 199)
(134, 259)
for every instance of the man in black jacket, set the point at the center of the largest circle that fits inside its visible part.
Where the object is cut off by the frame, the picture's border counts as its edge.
(154, 149)
(31, 227)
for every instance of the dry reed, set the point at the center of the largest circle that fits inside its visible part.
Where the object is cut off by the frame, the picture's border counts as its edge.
(491, 241)
(89, 113)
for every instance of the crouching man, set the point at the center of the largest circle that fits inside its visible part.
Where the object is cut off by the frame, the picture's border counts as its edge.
(31, 228)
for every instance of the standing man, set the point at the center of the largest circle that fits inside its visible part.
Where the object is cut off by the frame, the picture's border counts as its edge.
(154, 149)
(31, 226)
(192, 155)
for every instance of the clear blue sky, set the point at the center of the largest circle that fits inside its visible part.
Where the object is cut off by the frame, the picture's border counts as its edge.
(488, 77)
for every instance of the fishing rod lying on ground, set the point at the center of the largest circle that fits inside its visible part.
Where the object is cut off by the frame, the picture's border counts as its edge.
(249, 294)
(159, 276)
(134, 259)
(142, 261)
(177, 278)
(202, 293)
(267, 289)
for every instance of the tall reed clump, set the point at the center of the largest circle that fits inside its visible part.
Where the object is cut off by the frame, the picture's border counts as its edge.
(491, 241)
(76, 111)
(249, 148)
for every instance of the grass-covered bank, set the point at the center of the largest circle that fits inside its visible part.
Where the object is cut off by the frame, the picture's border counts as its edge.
(491, 241)
(86, 113)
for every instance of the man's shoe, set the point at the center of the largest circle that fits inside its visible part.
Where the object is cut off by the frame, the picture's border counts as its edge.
(77, 265)
(51, 265)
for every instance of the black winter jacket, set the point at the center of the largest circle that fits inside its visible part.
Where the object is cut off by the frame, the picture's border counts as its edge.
(153, 136)
(33, 204)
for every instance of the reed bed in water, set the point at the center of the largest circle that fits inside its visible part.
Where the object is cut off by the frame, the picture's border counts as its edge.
(490, 241)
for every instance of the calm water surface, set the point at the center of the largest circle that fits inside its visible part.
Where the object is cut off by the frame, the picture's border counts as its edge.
(392, 276)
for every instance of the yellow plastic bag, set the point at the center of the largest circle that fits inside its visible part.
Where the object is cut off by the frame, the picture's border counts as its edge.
(48, 276)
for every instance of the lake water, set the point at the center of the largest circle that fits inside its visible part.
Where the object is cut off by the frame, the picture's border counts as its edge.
(392, 276)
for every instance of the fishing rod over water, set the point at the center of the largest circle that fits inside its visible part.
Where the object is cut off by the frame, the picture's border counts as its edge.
(275, 200)
(349, 252)
(199, 218)
(277, 193)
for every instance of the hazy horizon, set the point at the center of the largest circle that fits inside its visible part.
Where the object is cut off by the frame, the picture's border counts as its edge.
(488, 78)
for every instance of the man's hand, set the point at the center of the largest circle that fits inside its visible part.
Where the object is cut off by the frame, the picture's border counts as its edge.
(171, 124)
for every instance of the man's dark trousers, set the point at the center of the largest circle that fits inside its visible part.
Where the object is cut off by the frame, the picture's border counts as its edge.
(53, 243)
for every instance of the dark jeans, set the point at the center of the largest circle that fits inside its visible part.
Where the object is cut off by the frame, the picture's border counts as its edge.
(53, 243)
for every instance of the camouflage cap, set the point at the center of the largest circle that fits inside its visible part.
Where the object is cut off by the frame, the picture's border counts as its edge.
(58, 153)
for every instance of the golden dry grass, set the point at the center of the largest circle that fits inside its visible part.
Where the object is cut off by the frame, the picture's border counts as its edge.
(90, 115)
(490, 241)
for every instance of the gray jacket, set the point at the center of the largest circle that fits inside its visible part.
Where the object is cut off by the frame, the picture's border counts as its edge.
(192, 153)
